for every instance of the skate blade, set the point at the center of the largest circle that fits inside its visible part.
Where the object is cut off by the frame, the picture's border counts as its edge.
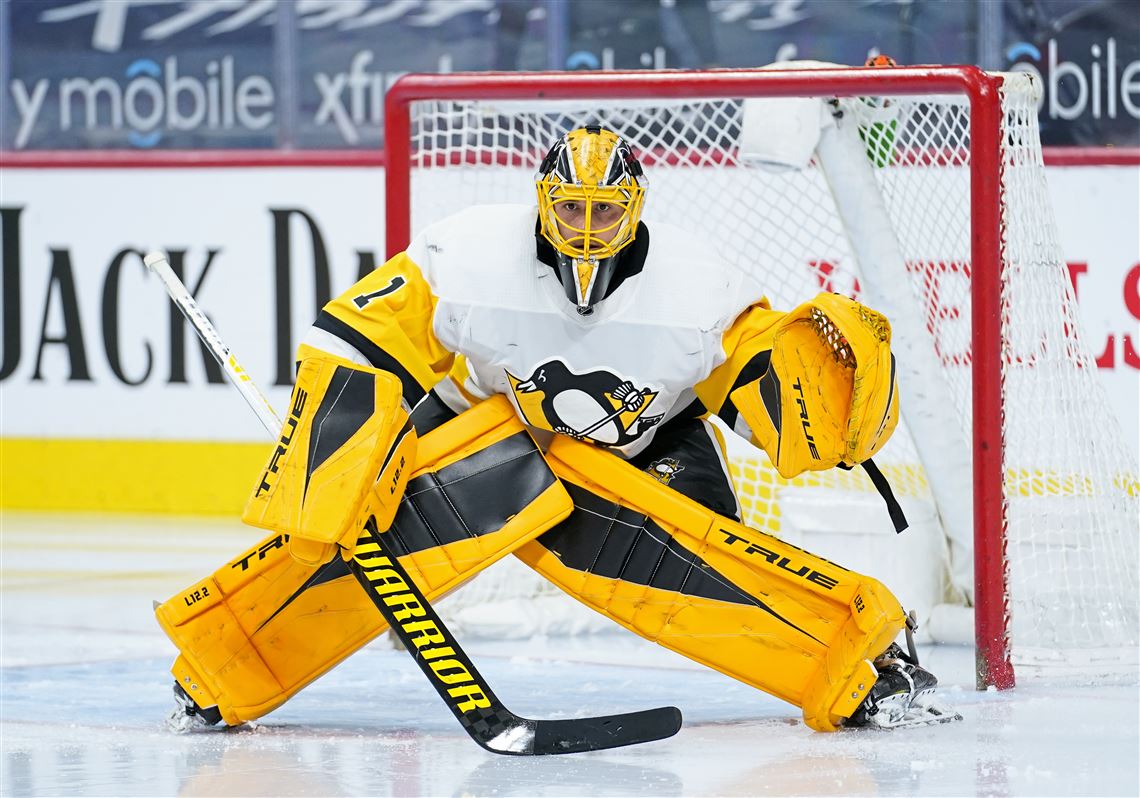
(180, 721)
(923, 710)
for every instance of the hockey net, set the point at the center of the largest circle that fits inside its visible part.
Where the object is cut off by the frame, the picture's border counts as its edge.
(863, 182)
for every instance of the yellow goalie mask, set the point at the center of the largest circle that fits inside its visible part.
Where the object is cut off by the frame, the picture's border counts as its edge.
(590, 191)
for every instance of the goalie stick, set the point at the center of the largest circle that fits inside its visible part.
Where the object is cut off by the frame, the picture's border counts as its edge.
(426, 638)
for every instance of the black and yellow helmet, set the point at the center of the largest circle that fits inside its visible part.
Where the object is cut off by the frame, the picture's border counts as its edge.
(590, 193)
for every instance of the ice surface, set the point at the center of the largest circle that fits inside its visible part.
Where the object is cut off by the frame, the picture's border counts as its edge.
(84, 687)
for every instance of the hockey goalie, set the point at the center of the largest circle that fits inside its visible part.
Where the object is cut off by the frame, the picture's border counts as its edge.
(539, 381)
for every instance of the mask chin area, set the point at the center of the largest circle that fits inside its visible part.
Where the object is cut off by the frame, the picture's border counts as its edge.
(598, 282)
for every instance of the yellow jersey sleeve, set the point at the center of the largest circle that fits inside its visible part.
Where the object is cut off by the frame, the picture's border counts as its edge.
(387, 318)
(747, 344)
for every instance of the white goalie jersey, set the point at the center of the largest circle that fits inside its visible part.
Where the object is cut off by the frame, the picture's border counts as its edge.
(472, 286)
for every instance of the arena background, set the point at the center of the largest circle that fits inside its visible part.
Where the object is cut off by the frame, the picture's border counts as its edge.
(244, 138)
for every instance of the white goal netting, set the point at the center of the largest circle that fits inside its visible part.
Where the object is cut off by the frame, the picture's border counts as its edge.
(879, 208)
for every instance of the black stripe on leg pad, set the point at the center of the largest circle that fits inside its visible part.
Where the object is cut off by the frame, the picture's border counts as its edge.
(331, 570)
(603, 538)
(349, 401)
(471, 497)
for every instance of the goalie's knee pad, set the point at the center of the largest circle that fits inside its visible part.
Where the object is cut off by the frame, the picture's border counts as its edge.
(264, 625)
(760, 610)
(343, 456)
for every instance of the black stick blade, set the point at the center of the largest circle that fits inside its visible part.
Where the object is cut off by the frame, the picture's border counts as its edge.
(612, 731)
(461, 686)
(501, 731)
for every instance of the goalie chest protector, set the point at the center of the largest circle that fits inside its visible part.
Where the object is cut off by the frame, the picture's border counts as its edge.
(611, 377)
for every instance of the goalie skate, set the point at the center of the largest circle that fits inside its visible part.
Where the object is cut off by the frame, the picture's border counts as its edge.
(903, 696)
(188, 716)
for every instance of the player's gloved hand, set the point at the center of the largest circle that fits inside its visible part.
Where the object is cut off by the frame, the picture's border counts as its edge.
(830, 396)
(344, 454)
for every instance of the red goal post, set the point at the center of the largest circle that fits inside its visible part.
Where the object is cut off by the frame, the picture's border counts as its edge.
(985, 135)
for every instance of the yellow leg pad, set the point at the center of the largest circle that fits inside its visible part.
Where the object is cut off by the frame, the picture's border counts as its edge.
(441, 569)
(262, 627)
(250, 638)
(762, 611)
(492, 477)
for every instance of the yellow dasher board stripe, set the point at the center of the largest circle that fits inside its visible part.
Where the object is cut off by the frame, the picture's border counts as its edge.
(82, 475)
(756, 476)
(214, 478)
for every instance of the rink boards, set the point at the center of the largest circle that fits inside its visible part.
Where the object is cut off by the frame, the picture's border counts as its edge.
(102, 379)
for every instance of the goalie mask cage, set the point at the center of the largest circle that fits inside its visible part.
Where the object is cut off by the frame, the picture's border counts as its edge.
(920, 191)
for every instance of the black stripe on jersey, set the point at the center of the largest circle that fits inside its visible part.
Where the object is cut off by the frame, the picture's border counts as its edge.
(377, 357)
(603, 538)
(754, 369)
(471, 497)
(347, 404)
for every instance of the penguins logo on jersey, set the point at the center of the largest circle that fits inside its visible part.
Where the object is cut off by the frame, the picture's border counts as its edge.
(598, 406)
(665, 469)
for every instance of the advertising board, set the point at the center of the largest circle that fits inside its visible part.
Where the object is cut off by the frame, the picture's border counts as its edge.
(109, 401)
(198, 74)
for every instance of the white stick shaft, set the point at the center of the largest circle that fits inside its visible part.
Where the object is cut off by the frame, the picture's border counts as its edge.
(178, 292)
